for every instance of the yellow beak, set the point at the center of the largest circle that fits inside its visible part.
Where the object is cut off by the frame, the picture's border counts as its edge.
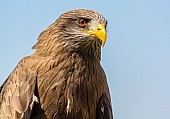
(99, 32)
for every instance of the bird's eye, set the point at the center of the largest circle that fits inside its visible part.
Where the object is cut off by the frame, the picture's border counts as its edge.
(82, 22)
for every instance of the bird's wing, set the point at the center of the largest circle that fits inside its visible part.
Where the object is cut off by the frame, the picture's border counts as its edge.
(17, 93)
(104, 108)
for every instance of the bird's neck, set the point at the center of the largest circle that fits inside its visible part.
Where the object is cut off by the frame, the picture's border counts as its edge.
(85, 81)
(78, 76)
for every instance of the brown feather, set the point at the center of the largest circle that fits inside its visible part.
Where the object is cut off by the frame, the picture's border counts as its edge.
(64, 74)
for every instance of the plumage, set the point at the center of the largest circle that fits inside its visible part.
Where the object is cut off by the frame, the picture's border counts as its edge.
(63, 79)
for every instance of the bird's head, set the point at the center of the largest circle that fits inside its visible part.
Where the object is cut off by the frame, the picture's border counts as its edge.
(84, 24)
(78, 29)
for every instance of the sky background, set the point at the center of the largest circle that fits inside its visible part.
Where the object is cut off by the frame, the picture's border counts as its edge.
(136, 57)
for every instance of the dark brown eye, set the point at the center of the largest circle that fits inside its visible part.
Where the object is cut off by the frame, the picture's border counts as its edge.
(82, 22)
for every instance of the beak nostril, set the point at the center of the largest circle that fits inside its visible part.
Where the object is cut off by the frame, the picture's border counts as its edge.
(98, 29)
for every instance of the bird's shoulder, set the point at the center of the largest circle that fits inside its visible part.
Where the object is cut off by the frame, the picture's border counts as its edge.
(104, 107)
(17, 91)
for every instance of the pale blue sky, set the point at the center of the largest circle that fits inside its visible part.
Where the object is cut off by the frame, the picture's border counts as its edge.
(136, 57)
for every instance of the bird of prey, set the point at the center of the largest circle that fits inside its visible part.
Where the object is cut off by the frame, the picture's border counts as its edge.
(63, 79)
